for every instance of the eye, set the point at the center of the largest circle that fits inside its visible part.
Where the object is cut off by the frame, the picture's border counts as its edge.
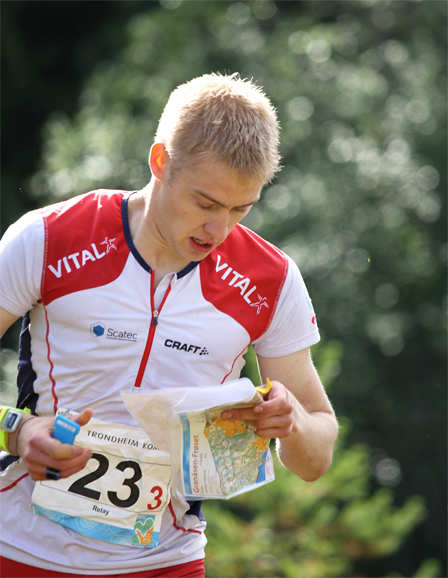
(205, 207)
(242, 209)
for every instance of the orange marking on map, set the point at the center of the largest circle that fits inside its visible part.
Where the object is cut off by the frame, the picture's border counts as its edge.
(230, 427)
(261, 443)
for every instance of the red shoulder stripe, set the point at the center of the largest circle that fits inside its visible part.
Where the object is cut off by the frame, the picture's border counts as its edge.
(243, 278)
(85, 244)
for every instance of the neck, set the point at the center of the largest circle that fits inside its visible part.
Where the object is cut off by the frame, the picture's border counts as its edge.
(146, 236)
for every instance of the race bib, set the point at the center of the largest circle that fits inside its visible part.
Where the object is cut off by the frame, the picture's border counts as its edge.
(122, 493)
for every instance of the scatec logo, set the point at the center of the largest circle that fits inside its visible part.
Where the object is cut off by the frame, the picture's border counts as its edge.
(98, 329)
(185, 347)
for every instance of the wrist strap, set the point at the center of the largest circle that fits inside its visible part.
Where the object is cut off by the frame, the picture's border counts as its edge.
(4, 436)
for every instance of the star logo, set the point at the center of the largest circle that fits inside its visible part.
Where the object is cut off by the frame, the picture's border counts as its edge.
(109, 244)
(260, 303)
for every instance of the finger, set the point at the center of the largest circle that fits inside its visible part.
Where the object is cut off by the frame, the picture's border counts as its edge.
(42, 439)
(71, 471)
(60, 456)
(84, 417)
(52, 474)
(277, 421)
(274, 407)
(251, 422)
(44, 449)
(274, 432)
(70, 467)
(37, 469)
(238, 414)
(78, 461)
(277, 426)
(61, 451)
(277, 406)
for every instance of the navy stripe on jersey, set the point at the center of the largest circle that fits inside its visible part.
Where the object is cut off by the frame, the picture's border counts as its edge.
(6, 460)
(196, 509)
(133, 249)
(26, 375)
(127, 233)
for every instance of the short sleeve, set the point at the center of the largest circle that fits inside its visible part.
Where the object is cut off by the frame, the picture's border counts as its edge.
(294, 325)
(21, 262)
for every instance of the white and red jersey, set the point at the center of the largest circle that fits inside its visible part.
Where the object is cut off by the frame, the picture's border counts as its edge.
(94, 327)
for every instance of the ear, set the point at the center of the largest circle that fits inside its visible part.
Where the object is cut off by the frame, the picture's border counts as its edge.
(158, 160)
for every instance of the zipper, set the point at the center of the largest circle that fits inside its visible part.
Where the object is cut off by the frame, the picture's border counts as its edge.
(151, 332)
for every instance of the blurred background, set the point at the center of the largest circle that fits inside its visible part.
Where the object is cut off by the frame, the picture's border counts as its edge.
(360, 205)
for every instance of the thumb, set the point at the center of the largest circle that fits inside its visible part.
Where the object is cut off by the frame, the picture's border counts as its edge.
(62, 451)
(84, 417)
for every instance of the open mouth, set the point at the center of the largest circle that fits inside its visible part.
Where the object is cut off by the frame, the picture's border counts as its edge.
(201, 245)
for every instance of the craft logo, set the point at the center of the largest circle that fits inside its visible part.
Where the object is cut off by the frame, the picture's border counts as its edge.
(185, 347)
(143, 530)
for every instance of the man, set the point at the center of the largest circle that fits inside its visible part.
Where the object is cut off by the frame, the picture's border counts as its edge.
(156, 289)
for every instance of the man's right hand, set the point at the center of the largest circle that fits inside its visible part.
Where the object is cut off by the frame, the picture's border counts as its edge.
(34, 443)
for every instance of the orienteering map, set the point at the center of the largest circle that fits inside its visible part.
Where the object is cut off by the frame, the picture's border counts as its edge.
(222, 458)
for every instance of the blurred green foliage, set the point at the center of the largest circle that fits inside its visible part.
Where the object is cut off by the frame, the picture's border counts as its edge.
(360, 88)
(291, 528)
(313, 530)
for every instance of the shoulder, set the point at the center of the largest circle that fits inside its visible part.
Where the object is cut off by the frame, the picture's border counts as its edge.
(244, 278)
(101, 200)
(23, 241)
(30, 223)
(21, 258)
(85, 243)
(250, 247)
(251, 255)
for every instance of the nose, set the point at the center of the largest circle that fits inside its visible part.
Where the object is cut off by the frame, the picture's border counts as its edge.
(218, 227)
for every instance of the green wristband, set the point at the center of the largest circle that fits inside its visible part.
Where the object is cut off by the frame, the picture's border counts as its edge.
(4, 431)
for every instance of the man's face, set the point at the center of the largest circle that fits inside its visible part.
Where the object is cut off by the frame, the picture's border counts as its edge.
(199, 207)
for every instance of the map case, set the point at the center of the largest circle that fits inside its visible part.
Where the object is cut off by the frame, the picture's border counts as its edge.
(211, 457)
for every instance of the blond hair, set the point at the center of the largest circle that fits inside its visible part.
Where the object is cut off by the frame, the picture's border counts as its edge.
(225, 119)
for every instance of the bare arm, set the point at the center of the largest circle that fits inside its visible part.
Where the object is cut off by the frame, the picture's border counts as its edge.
(308, 449)
(297, 413)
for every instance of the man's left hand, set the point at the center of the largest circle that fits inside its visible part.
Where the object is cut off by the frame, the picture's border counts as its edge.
(273, 418)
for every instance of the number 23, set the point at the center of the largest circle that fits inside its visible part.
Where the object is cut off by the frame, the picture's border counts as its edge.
(79, 486)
